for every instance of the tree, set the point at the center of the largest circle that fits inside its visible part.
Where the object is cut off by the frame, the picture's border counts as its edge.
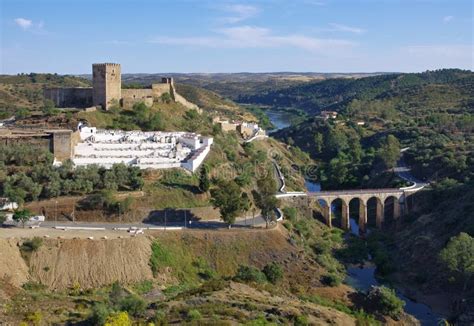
(227, 196)
(204, 183)
(265, 196)
(389, 151)
(22, 216)
(459, 256)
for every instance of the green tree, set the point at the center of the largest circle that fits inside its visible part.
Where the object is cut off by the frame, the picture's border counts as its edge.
(227, 196)
(204, 182)
(265, 198)
(389, 151)
(22, 216)
(459, 256)
(318, 143)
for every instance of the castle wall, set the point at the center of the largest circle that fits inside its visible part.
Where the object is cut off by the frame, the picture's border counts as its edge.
(79, 97)
(62, 144)
(160, 89)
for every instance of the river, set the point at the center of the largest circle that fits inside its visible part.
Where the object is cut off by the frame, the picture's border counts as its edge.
(360, 278)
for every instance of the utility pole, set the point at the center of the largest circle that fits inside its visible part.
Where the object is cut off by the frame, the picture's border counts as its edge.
(56, 212)
(185, 219)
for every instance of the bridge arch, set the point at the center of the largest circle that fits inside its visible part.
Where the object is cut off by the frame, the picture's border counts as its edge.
(375, 212)
(391, 209)
(340, 213)
(357, 212)
(325, 210)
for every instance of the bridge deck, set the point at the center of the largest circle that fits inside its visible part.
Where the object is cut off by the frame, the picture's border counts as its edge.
(356, 192)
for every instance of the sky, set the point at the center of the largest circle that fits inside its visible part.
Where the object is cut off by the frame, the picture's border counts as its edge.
(153, 36)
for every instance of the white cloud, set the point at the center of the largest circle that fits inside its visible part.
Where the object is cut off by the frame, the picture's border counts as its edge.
(24, 23)
(259, 37)
(239, 12)
(447, 19)
(344, 28)
(30, 26)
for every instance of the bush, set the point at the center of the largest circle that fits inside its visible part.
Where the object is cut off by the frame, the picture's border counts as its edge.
(194, 314)
(100, 312)
(331, 279)
(250, 274)
(133, 304)
(31, 245)
(273, 272)
(385, 301)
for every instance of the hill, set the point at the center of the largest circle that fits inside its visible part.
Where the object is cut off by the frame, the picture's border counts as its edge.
(429, 113)
(25, 91)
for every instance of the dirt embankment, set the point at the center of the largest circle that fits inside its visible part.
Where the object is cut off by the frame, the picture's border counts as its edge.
(13, 269)
(63, 263)
(60, 264)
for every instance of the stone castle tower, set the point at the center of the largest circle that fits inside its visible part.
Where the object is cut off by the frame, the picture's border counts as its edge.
(107, 84)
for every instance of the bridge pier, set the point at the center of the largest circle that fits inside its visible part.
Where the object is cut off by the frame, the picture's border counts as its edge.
(379, 214)
(362, 216)
(396, 209)
(327, 215)
(345, 216)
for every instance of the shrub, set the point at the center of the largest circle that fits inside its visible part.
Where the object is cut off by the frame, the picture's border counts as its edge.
(100, 312)
(118, 319)
(273, 272)
(194, 314)
(31, 245)
(331, 279)
(133, 304)
(385, 301)
(301, 321)
(250, 274)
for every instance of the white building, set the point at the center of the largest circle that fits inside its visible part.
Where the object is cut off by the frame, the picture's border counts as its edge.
(154, 149)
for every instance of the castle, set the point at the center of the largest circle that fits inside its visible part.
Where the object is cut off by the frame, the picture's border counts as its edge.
(107, 91)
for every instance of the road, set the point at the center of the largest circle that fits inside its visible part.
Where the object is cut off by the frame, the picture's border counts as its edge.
(241, 223)
(403, 171)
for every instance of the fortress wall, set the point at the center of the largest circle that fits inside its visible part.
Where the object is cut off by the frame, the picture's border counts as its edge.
(160, 89)
(80, 97)
(62, 144)
(133, 96)
(137, 93)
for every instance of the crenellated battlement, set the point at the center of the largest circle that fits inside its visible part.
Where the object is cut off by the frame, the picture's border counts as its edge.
(105, 64)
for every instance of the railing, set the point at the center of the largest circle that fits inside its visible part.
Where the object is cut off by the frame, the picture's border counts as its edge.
(355, 191)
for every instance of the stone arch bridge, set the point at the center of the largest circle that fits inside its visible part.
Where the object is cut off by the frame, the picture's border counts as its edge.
(391, 201)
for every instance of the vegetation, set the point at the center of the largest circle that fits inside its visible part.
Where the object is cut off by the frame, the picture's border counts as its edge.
(459, 256)
(40, 179)
(230, 200)
(264, 196)
(395, 111)
(22, 216)
(384, 300)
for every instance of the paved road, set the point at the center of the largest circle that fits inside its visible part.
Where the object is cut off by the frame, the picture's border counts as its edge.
(404, 172)
(257, 221)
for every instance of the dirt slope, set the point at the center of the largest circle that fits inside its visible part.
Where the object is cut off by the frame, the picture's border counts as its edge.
(13, 269)
(60, 264)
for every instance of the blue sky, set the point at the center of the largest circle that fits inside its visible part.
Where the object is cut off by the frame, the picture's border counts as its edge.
(67, 36)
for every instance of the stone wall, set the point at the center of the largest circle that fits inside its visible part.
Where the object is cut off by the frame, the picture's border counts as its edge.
(80, 97)
(107, 84)
(62, 144)
(132, 96)
(160, 89)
